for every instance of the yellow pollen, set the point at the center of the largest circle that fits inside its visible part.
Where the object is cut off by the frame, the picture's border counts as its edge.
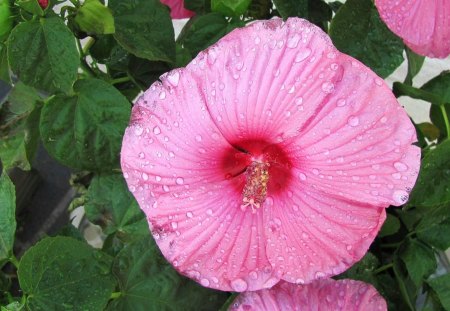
(255, 189)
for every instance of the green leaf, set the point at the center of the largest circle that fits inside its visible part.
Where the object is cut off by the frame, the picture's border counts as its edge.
(319, 13)
(31, 6)
(406, 285)
(23, 99)
(288, 8)
(14, 306)
(390, 226)
(363, 269)
(110, 205)
(440, 87)
(437, 117)
(95, 18)
(198, 6)
(43, 54)
(7, 217)
(357, 30)
(260, 9)
(6, 21)
(415, 63)
(401, 89)
(19, 140)
(4, 66)
(62, 273)
(202, 31)
(230, 7)
(430, 130)
(434, 228)
(441, 286)
(433, 184)
(419, 260)
(84, 131)
(147, 282)
(144, 28)
(107, 51)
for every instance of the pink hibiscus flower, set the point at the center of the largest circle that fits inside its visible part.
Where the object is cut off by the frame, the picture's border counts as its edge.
(321, 295)
(177, 9)
(270, 156)
(424, 25)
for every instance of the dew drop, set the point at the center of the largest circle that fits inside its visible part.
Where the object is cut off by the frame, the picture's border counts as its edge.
(174, 225)
(158, 178)
(162, 95)
(174, 78)
(189, 215)
(293, 41)
(179, 181)
(166, 188)
(302, 55)
(315, 171)
(400, 196)
(401, 167)
(204, 282)
(257, 40)
(156, 130)
(353, 121)
(253, 275)
(328, 87)
(198, 138)
(239, 285)
(144, 176)
(341, 102)
(138, 130)
(302, 176)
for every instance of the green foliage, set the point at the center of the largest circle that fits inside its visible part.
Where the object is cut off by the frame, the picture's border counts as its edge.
(230, 7)
(62, 273)
(147, 282)
(415, 63)
(85, 130)
(110, 205)
(391, 226)
(7, 217)
(94, 18)
(144, 28)
(441, 286)
(43, 54)
(5, 19)
(288, 8)
(31, 6)
(357, 30)
(433, 184)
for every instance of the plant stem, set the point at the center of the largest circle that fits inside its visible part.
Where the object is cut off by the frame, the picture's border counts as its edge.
(86, 69)
(88, 45)
(444, 115)
(115, 295)
(14, 261)
(121, 80)
(383, 268)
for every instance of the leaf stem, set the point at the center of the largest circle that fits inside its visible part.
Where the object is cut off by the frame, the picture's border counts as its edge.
(120, 80)
(383, 268)
(88, 45)
(115, 295)
(14, 261)
(444, 115)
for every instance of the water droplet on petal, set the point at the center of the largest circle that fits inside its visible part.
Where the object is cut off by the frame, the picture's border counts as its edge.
(166, 188)
(198, 138)
(204, 282)
(156, 130)
(293, 41)
(328, 87)
(400, 196)
(302, 176)
(179, 181)
(302, 55)
(189, 215)
(353, 121)
(138, 130)
(162, 95)
(401, 167)
(239, 285)
(144, 176)
(158, 178)
(174, 78)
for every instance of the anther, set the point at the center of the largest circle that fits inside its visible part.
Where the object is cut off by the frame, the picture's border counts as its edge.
(255, 189)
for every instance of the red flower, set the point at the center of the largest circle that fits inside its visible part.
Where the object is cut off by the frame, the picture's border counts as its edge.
(43, 3)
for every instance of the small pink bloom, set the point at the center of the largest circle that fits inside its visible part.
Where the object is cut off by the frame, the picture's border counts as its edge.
(424, 25)
(321, 295)
(177, 9)
(270, 156)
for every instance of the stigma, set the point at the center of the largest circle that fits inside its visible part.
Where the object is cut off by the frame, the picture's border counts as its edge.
(255, 189)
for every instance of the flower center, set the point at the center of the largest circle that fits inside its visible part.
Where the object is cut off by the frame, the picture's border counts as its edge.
(255, 189)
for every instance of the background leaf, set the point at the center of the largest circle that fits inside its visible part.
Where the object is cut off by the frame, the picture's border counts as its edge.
(43, 54)
(230, 7)
(441, 285)
(144, 28)
(147, 282)
(433, 184)
(94, 18)
(7, 217)
(357, 30)
(111, 205)
(85, 131)
(62, 273)
(288, 8)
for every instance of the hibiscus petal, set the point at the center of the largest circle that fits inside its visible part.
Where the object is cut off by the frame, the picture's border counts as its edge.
(424, 25)
(358, 145)
(177, 9)
(172, 161)
(322, 295)
(262, 79)
(312, 236)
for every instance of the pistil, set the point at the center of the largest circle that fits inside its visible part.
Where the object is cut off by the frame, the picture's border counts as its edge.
(255, 189)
